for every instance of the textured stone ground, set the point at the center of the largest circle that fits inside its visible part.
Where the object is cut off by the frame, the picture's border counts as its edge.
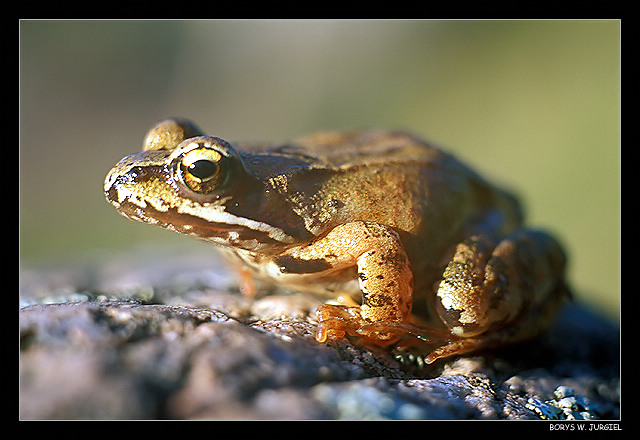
(169, 337)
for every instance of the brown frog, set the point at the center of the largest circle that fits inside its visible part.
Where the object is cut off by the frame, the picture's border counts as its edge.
(435, 257)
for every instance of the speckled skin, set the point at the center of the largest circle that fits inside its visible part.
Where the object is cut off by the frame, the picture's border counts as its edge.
(376, 213)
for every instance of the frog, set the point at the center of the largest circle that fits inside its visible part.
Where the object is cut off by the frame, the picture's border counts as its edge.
(411, 248)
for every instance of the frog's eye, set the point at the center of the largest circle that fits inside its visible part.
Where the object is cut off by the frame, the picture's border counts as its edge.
(203, 170)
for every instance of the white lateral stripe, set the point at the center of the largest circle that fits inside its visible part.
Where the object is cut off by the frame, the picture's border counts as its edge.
(214, 212)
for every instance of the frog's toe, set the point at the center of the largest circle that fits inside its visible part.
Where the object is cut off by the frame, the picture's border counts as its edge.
(451, 349)
(337, 321)
(430, 348)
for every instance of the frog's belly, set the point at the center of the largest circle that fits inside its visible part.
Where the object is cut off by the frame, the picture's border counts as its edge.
(327, 284)
(344, 283)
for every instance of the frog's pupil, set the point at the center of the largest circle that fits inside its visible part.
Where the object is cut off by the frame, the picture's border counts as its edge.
(203, 169)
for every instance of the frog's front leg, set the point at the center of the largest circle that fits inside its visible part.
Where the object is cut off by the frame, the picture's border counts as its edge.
(493, 292)
(384, 275)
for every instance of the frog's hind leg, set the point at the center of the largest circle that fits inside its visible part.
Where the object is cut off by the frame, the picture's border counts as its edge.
(526, 327)
(493, 293)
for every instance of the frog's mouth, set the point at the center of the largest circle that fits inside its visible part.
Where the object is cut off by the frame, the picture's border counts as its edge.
(154, 201)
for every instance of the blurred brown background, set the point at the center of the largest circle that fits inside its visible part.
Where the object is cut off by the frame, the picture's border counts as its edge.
(534, 105)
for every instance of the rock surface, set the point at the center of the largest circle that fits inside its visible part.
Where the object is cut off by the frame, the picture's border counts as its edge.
(170, 338)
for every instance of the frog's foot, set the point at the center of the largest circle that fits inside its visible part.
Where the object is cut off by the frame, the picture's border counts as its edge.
(338, 321)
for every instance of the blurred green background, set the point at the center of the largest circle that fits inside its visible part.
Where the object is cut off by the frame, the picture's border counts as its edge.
(534, 105)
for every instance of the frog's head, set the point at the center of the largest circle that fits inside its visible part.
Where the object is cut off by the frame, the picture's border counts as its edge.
(198, 187)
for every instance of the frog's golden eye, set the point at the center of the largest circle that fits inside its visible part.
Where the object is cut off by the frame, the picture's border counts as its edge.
(202, 170)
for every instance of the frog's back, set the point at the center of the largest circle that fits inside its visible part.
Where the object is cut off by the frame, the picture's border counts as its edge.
(390, 177)
(341, 150)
